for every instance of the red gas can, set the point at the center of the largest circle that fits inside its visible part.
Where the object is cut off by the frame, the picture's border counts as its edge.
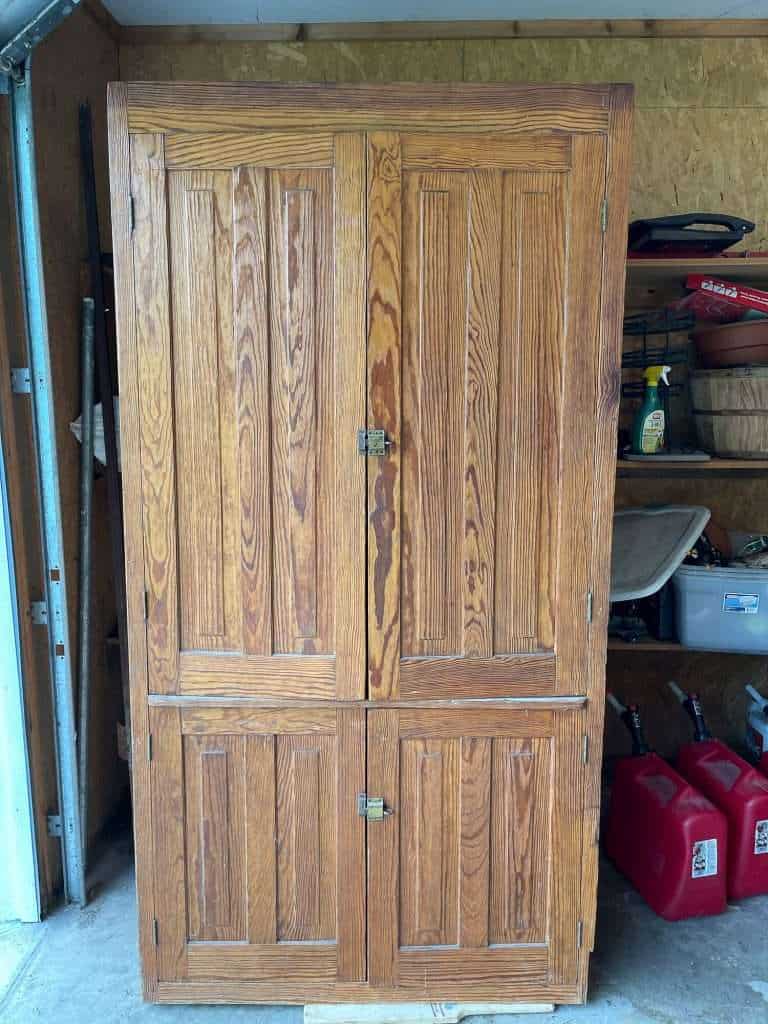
(741, 793)
(667, 838)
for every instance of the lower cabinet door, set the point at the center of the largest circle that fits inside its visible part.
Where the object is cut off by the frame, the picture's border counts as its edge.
(474, 878)
(259, 852)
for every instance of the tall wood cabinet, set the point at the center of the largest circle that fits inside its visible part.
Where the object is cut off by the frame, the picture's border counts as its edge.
(368, 371)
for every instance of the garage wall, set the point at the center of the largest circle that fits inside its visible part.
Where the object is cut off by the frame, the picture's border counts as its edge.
(700, 138)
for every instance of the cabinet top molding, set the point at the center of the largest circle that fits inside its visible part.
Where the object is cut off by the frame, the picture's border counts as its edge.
(187, 106)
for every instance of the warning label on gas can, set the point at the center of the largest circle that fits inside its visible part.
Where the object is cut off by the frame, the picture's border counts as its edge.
(704, 860)
(761, 836)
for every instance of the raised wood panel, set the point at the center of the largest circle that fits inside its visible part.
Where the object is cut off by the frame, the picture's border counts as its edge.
(214, 793)
(480, 853)
(306, 848)
(530, 371)
(429, 831)
(200, 234)
(520, 815)
(257, 854)
(251, 339)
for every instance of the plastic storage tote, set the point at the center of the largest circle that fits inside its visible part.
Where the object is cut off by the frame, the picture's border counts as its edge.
(722, 609)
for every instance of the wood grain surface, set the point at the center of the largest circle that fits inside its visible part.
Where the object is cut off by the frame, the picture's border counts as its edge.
(151, 323)
(481, 857)
(492, 473)
(384, 221)
(260, 843)
(269, 235)
(164, 107)
(257, 320)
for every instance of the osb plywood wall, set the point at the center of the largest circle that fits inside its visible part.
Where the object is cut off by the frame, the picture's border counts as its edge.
(700, 137)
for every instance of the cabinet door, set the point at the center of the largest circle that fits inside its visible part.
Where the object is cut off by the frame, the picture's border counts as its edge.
(248, 253)
(259, 851)
(474, 878)
(484, 262)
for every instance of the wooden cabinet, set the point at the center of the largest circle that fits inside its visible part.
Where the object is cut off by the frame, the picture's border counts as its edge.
(313, 626)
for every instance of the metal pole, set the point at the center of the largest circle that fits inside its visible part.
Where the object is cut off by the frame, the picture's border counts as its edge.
(106, 379)
(48, 481)
(86, 503)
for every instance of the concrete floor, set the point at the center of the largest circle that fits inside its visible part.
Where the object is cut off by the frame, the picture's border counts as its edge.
(81, 967)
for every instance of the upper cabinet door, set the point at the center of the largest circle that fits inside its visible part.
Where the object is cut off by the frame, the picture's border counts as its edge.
(485, 256)
(248, 254)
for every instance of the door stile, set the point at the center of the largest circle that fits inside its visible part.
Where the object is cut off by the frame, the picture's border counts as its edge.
(384, 219)
(351, 863)
(167, 782)
(580, 374)
(155, 385)
(567, 811)
(383, 849)
(349, 289)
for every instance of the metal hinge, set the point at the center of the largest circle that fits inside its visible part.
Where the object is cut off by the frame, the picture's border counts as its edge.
(21, 380)
(131, 213)
(54, 825)
(585, 749)
(372, 442)
(372, 807)
(38, 613)
(590, 603)
(580, 934)
(604, 216)
(155, 932)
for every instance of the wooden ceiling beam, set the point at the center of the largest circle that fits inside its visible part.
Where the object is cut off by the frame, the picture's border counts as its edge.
(382, 31)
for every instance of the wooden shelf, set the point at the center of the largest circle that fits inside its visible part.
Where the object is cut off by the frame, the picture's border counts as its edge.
(652, 283)
(654, 646)
(662, 273)
(714, 467)
(614, 644)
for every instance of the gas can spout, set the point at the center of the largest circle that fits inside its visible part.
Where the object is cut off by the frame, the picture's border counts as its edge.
(758, 698)
(692, 705)
(630, 716)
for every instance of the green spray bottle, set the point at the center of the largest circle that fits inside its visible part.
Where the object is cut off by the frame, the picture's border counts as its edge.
(648, 428)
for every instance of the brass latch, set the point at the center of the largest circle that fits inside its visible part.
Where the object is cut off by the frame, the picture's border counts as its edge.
(372, 442)
(372, 807)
